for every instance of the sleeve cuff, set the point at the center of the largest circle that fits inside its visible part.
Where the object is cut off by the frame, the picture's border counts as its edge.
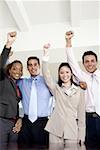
(68, 48)
(7, 48)
(45, 58)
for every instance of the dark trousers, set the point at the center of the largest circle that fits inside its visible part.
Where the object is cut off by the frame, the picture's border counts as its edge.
(92, 130)
(33, 134)
(8, 139)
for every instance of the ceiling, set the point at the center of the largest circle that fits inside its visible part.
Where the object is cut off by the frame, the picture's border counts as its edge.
(37, 21)
(25, 14)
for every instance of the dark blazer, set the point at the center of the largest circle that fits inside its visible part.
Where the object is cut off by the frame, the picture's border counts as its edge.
(8, 95)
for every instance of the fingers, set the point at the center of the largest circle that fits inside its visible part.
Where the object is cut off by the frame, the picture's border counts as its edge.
(69, 34)
(12, 34)
(17, 126)
(46, 46)
(83, 85)
(16, 129)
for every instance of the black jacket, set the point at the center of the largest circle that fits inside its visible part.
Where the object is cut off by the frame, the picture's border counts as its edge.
(8, 95)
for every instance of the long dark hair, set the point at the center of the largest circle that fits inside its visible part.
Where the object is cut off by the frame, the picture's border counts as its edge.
(66, 65)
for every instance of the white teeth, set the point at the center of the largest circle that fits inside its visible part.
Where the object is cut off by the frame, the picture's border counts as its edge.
(65, 78)
(90, 67)
(17, 75)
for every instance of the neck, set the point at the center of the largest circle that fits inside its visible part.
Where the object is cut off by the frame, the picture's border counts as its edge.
(67, 85)
(93, 71)
(34, 75)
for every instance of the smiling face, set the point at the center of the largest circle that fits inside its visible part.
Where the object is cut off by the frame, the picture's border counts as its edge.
(33, 67)
(16, 71)
(90, 63)
(65, 74)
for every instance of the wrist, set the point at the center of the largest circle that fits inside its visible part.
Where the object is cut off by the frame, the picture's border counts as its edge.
(68, 45)
(45, 58)
(8, 45)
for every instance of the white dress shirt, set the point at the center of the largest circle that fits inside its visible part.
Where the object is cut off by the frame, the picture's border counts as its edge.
(86, 77)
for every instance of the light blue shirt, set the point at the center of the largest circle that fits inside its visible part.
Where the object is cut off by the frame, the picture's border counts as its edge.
(44, 104)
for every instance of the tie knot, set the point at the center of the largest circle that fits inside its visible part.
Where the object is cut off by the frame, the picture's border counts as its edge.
(34, 79)
(93, 75)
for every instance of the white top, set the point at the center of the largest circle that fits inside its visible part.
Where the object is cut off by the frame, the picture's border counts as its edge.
(84, 76)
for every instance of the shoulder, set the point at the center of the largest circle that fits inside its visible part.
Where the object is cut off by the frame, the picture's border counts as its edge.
(23, 79)
(40, 77)
(81, 91)
(97, 72)
(78, 88)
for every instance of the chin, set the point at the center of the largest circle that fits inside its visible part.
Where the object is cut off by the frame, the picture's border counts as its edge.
(17, 78)
(91, 71)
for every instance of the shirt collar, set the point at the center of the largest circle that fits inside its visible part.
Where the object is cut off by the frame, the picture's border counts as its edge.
(72, 90)
(38, 77)
(95, 73)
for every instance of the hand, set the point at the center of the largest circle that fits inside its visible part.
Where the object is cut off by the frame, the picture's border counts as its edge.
(17, 126)
(11, 36)
(83, 85)
(69, 35)
(45, 48)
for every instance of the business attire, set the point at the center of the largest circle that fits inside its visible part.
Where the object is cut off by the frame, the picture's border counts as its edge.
(92, 100)
(69, 107)
(8, 104)
(33, 134)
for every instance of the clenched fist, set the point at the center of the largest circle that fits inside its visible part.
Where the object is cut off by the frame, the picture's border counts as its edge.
(11, 36)
(69, 35)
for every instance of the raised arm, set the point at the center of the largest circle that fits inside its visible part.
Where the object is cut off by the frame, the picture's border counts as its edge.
(7, 49)
(70, 57)
(46, 73)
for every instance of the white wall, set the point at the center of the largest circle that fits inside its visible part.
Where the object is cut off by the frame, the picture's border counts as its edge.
(85, 35)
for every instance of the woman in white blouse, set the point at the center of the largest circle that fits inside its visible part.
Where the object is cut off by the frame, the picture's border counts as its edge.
(67, 122)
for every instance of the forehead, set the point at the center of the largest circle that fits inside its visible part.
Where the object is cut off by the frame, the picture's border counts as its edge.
(17, 65)
(89, 57)
(33, 61)
(64, 68)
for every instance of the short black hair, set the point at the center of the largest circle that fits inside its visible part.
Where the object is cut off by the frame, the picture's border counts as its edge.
(33, 57)
(89, 53)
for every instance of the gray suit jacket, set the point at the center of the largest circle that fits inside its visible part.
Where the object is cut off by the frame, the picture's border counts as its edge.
(8, 95)
(67, 109)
